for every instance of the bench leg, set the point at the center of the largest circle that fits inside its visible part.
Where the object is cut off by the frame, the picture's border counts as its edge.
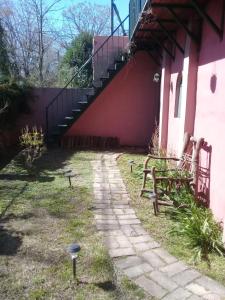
(144, 184)
(155, 209)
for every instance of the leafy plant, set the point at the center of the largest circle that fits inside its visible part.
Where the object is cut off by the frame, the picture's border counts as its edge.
(197, 224)
(137, 171)
(76, 55)
(13, 101)
(33, 143)
(131, 49)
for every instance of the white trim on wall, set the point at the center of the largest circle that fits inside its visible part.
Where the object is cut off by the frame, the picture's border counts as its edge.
(184, 91)
(162, 87)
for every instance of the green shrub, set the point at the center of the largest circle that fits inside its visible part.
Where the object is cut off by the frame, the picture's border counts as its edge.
(33, 143)
(13, 101)
(197, 224)
(75, 56)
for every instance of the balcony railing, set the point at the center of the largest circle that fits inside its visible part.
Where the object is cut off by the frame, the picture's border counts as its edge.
(135, 8)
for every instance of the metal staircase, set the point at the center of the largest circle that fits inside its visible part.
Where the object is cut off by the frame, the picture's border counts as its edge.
(111, 56)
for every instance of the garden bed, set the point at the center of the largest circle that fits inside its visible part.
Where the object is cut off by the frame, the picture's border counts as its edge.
(159, 226)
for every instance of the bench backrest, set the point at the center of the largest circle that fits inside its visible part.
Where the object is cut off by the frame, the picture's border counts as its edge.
(189, 159)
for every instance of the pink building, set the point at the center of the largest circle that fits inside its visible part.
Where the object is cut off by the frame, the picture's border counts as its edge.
(188, 36)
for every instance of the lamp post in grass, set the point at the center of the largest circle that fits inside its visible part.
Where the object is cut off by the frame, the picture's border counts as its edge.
(131, 163)
(73, 251)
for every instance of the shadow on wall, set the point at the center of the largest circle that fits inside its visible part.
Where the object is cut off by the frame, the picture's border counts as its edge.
(204, 175)
(213, 82)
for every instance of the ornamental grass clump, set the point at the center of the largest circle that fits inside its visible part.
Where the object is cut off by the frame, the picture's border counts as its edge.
(32, 140)
(154, 142)
(197, 224)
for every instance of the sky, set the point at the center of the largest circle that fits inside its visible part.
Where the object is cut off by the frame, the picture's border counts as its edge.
(122, 5)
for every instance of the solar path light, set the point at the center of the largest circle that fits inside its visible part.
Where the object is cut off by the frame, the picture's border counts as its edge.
(131, 163)
(68, 173)
(73, 251)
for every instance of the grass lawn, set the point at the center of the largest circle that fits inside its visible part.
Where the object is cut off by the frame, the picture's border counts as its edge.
(39, 218)
(159, 226)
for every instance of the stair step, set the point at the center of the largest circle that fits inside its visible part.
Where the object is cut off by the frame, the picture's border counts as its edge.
(104, 78)
(91, 96)
(69, 118)
(83, 102)
(91, 92)
(51, 140)
(119, 61)
(55, 133)
(62, 125)
(123, 58)
(96, 86)
(76, 110)
(111, 72)
(96, 90)
(118, 65)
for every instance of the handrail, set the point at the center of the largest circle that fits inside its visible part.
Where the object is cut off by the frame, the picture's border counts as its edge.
(87, 61)
(138, 6)
(53, 104)
(74, 76)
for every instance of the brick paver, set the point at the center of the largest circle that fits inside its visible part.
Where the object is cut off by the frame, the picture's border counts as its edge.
(134, 251)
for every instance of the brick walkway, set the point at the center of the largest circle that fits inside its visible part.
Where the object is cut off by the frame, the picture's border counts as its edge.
(134, 251)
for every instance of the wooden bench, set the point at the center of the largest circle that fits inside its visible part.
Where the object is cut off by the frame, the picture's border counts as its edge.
(172, 173)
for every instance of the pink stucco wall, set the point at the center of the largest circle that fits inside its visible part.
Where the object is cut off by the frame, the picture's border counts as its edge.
(210, 111)
(205, 109)
(126, 108)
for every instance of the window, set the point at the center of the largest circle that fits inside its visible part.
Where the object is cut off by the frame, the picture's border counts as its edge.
(178, 99)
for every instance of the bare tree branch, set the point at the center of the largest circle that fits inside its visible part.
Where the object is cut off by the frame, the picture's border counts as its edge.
(30, 36)
(87, 17)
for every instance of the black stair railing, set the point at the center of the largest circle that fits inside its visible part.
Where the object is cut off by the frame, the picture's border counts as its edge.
(102, 58)
(135, 8)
